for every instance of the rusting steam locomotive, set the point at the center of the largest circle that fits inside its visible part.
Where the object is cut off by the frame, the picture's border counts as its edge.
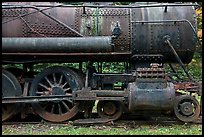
(142, 36)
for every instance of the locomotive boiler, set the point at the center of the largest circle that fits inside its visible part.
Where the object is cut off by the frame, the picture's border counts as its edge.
(142, 36)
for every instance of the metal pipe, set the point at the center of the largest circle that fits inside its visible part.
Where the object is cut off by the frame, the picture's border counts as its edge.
(176, 74)
(98, 44)
(106, 6)
(29, 99)
(178, 59)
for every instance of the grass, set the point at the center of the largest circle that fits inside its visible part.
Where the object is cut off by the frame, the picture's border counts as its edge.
(68, 129)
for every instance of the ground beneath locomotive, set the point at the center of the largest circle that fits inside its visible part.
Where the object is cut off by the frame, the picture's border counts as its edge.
(126, 119)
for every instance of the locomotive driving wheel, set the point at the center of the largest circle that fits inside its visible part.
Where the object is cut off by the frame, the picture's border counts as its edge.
(10, 88)
(56, 81)
(186, 108)
(109, 109)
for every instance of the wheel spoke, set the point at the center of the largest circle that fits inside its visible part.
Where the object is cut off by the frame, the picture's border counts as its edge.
(44, 86)
(52, 110)
(69, 101)
(66, 89)
(46, 105)
(65, 105)
(54, 78)
(43, 93)
(3, 109)
(48, 81)
(4, 106)
(64, 85)
(68, 94)
(60, 81)
(60, 110)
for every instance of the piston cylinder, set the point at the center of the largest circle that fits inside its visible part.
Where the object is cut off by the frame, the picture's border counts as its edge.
(154, 96)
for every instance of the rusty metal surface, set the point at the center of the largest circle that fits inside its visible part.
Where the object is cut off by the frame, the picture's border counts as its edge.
(10, 29)
(44, 26)
(188, 86)
(49, 27)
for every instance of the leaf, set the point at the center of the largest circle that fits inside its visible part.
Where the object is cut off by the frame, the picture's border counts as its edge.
(200, 33)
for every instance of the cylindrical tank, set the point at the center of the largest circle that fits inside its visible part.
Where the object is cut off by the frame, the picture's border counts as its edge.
(150, 25)
(151, 96)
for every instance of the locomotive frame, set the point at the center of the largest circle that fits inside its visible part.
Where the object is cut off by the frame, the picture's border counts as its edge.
(134, 37)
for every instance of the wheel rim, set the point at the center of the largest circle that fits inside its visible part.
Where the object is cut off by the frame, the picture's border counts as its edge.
(56, 81)
(186, 108)
(109, 109)
(10, 88)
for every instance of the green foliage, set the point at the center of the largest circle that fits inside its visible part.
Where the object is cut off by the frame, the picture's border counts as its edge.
(68, 129)
(113, 67)
(40, 66)
(194, 68)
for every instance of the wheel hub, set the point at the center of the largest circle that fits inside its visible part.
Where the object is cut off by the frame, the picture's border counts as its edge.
(186, 108)
(57, 91)
(109, 108)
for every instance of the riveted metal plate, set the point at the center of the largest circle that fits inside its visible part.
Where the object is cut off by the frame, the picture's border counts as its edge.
(42, 25)
(158, 31)
(9, 28)
(107, 19)
(110, 19)
(13, 12)
(147, 38)
(38, 25)
(108, 12)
